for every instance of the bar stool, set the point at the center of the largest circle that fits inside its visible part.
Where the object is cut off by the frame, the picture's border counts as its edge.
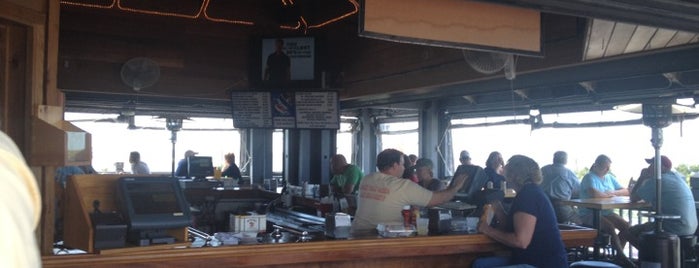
(688, 254)
(603, 249)
(593, 264)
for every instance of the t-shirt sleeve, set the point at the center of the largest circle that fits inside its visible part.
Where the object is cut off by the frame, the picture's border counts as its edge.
(416, 195)
(354, 175)
(585, 186)
(574, 182)
(530, 207)
(646, 191)
(616, 184)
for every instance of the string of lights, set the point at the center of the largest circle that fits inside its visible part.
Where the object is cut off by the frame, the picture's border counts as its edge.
(202, 12)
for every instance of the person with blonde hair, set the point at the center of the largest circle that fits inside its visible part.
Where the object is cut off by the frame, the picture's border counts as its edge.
(231, 169)
(530, 228)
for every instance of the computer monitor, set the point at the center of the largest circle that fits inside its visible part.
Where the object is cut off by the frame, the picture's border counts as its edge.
(200, 167)
(151, 206)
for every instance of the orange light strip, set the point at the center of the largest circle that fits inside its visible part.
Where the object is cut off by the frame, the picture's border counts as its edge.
(305, 24)
(89, 5)
(203, 9)
(206, 16)
(169, 14)
(356, 9)
(286, 27)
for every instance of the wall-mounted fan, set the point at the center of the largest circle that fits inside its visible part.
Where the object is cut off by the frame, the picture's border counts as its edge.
(491, 62)
(139, 73)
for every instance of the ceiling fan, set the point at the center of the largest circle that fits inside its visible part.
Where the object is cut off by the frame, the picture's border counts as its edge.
(124, 117)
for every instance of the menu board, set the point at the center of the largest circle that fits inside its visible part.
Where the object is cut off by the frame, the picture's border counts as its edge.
(300, 109)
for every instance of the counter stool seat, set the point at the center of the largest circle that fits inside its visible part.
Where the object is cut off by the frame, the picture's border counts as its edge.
(593, 264)
(688, 253)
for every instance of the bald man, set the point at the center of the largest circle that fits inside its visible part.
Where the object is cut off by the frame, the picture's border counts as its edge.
(346, 177)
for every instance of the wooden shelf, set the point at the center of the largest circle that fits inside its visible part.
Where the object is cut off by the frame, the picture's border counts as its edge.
(55, 142)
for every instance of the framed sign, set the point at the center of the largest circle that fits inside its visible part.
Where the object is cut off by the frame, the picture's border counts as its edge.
(273, 109)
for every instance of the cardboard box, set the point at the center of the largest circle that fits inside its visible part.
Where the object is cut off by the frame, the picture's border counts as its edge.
(250, 222)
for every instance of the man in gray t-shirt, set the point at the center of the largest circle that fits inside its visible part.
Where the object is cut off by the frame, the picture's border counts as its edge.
(560, 183)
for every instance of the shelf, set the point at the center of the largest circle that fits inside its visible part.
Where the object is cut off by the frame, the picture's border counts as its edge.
(56, 142)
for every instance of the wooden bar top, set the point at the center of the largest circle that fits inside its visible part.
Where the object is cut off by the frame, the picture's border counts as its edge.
(419, 251)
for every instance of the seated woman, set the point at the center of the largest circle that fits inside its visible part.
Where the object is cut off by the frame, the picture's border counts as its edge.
(231, 169)
(530, 228)
(493, 169)
(599, 183)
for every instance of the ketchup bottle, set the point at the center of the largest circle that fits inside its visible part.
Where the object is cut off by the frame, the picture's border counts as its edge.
(407, 215)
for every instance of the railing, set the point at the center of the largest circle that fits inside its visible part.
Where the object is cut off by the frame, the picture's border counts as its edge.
(634, 217)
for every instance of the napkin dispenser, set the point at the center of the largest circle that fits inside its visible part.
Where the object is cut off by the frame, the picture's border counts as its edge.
(338, 225)
(440, 220)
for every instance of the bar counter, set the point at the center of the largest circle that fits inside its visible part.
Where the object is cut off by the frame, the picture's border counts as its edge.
(418, 251)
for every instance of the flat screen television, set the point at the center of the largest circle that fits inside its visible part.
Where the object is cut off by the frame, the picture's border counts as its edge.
(200, 167)
(153, 203)
(294, 67)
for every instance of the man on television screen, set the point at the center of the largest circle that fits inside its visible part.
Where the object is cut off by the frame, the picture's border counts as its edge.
(278, 68)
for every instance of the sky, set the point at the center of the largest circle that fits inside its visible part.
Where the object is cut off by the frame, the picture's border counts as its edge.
(627, 146)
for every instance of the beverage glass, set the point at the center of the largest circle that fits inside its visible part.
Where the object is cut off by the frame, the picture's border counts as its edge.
(472, 224)
(422, 226)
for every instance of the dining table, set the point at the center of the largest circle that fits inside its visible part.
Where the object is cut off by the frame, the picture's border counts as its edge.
(597, 205)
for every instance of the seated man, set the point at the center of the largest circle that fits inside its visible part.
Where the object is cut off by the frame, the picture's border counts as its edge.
(346, 177)
(600, 183)
(383, 194)
(423, 169)
(676, 197)
(475, 174)
(560, 183)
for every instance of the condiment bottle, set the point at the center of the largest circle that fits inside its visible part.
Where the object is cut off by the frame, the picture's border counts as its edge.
(407, 215)
(415, 215)
(488, 214)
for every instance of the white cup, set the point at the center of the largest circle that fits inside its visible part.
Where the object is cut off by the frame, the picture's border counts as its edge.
(472, 224)
(422, 226)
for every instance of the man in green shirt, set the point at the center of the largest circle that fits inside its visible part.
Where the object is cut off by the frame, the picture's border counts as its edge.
(346, 177)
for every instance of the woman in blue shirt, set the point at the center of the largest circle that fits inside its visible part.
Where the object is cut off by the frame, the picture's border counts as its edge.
(530, 229)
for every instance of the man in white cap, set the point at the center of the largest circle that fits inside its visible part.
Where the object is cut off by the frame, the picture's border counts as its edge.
(475, 174)
(181, 170)
(465, 158)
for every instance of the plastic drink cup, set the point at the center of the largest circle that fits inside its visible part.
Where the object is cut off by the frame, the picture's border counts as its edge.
(422, 226)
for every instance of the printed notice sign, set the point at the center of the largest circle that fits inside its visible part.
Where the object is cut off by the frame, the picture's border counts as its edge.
(251, 109)
(317, 110)
(301, 109)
